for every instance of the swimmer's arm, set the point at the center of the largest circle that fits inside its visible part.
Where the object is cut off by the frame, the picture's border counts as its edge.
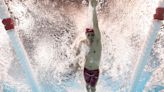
(79, 47)
(95, 25)
(95, 20)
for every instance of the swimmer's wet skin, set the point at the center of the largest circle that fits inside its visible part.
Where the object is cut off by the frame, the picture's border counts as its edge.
(91, 68)
(92, 57)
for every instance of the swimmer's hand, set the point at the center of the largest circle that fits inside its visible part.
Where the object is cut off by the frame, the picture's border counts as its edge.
(93, 3)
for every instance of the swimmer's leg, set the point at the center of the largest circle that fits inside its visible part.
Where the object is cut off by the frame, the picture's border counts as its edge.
(93, 88)
(88, 87)
(94, 81)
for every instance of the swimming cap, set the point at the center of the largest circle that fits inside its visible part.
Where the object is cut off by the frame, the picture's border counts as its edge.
(89, 30)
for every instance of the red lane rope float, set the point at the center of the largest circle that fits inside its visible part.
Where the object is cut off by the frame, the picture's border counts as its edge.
(8, 23)
(159, 14)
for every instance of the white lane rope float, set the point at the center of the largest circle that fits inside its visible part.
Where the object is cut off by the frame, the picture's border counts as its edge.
(21, 54)
(154, 29)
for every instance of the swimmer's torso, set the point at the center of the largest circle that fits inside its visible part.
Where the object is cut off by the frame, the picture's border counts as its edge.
(94, 54)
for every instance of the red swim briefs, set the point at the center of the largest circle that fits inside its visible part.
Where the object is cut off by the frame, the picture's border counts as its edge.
(91, 76)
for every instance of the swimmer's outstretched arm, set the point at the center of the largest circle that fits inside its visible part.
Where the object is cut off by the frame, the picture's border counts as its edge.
(95, 20)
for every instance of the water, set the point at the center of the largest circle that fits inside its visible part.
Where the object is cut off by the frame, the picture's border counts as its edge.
(47, 30)
(8, 88)
(144, 58)
(23, 60)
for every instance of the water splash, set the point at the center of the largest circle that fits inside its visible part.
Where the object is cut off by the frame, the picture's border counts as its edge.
(54, 28)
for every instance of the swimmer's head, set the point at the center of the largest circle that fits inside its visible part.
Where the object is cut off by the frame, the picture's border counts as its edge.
(90, 34)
